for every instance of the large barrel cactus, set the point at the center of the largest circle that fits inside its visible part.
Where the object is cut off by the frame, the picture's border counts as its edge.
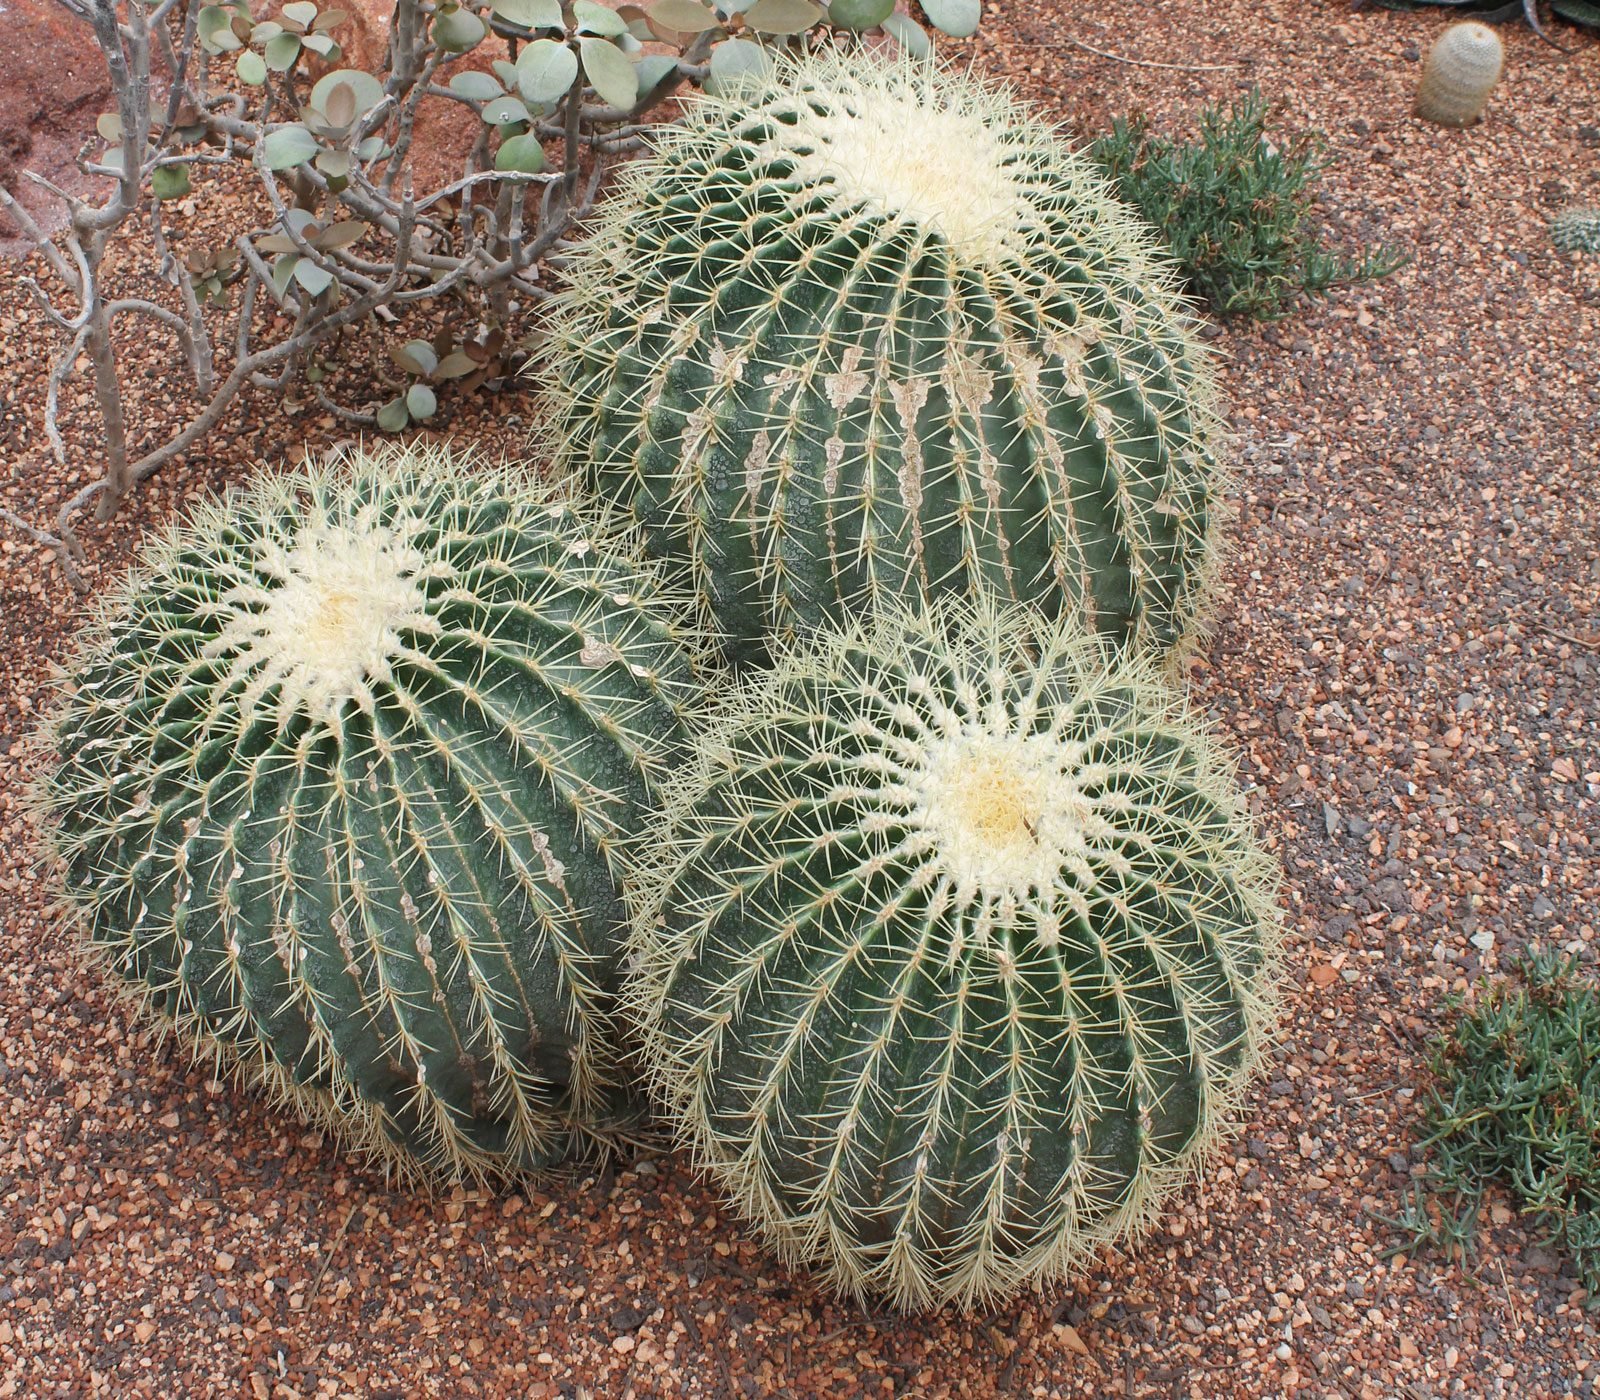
(338, 789)
(870, 328)
(955, 953)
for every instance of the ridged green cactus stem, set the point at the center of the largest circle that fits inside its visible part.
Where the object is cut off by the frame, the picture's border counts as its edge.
(1460, 72)
(1576, 230)
(955, 953)
(337, 789)
(871, 329)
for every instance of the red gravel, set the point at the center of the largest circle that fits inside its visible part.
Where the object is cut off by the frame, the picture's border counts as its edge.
(1408, 661)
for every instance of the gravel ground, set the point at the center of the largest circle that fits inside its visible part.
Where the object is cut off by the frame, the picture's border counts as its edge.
(1407, 661)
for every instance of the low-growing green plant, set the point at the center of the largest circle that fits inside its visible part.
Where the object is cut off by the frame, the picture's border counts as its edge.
(1516, 1101)
(1235, 208)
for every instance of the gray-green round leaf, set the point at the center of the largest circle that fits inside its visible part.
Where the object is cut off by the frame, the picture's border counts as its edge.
(282, 52)
(322, 45)
(334, 164)
(504, 110)
(109, 125)
(421, 402)
(288, 146)
(417, 357)
(169, 181)
(456, 31)
(454, 365)
(910, 35)
(653, 69)
(251, 68)
(476, 86)
(368, 90)
(314, 279)
(392, 417)
(957, 18)
(215, 28)
(733, 62)
(783, 16)
(529, 14)
(545, 70)
(683, 16)
(520, 154)
(597, 19)
(302, 12)
(610, 73)
(283, 270)
(860, 14)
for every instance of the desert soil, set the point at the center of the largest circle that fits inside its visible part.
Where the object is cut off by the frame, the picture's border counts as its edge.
(1408, 661)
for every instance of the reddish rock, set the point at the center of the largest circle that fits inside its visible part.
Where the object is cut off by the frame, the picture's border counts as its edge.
(53, 84)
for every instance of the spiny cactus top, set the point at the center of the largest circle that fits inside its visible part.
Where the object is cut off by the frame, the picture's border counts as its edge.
(339, 780)
(1576, 229)
(956, 953)
(873, 329)
(1461, 71)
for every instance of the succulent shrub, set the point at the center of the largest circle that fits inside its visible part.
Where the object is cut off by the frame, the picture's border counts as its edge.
(1576, 230)
(868, 328)
(1515, 1100)
(1235, 208)
(339, 782)
(426, 182)
(954, 952)
(1461, 70)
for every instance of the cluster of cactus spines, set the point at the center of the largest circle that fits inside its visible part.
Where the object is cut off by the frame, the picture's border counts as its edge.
(1577, 230)
(340, 783)
(871, 330)
(955, 952)
(1461, 70)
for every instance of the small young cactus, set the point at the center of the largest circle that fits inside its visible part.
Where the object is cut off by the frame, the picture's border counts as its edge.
(1462, 69)
(955, 952)
(336, 791)
(1576, 230)
(871, 329)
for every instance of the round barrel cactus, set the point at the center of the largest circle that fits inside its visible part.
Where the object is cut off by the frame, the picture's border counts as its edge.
(870, 329)
(955, 952)
(339, 784)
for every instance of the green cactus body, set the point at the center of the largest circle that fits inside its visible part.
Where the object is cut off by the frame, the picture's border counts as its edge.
(1576, 230)
(956, 953)
(1460, 72)
(341, 776)
(871, 329)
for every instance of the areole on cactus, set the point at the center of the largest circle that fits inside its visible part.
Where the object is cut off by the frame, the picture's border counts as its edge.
(337, 789)
(866, 329)
(954, 953)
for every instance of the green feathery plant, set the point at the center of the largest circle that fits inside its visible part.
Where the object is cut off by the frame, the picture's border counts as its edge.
(955, 953)
(1516, 1100)
(337, 790)
(868, 328)
(1235, 208)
